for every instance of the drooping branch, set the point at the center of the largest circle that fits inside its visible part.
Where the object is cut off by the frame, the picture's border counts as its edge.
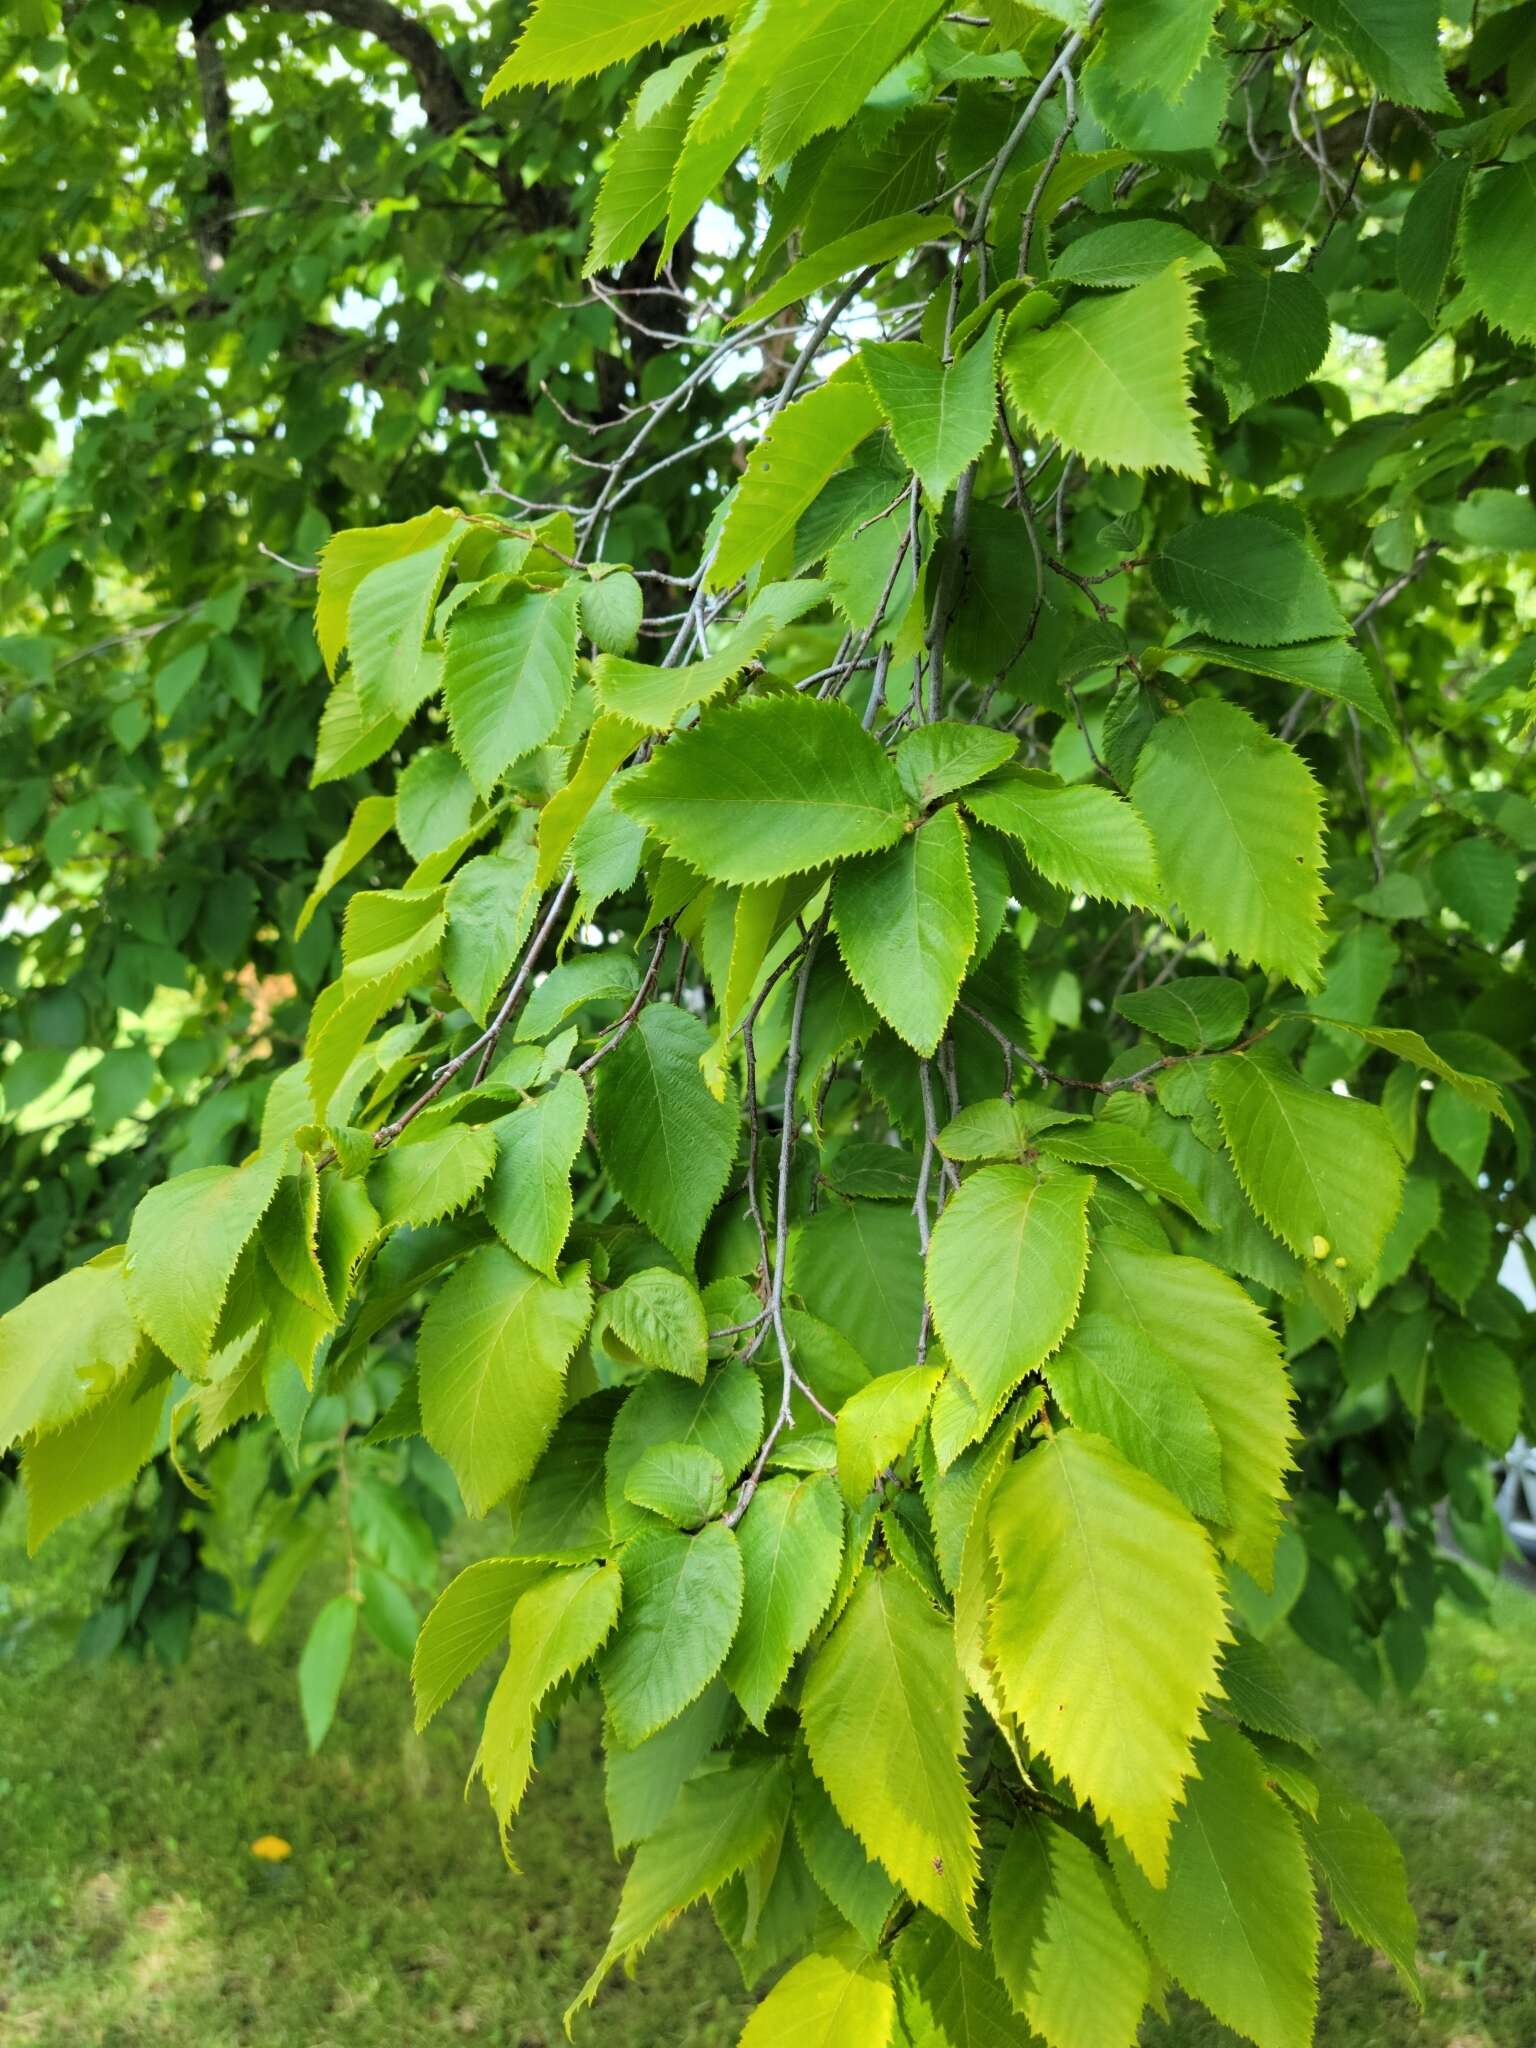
(444, 101)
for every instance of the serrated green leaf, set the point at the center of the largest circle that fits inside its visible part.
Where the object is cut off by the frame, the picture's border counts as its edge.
(641, 1784)
(682, 1602)
(878, 1423)
(1332, 668)
(1236, 819)
(1266, 330)
(434, 802)
(1080, 837)
(791, 1539)
(1363, 1868)
(1248, 578)
(858, 1887)
(78, 1464)
(826, 2001)
(1153, 45)
(941, 415)
(420, 1180)
(465, 1624)
(562, 1514)
(834, 262)
(1321, 1169)
(349, 556)
(1255, 1688)
(771, 787)
(1130, 251)
(490, 906)
(350, 737)
(1108, 1379)
(1236, 1924)
(884, 1717)
(683, 1483)
(183, 1245)
(950, 1994)
(560, 1621)
(935, 760)
(665, 1140)
(1148, 122)
(1020, 1893)
(1089, 1974)
(1110, 378)
(1480, 1385)
(507, 675)
(1131, 1153)
(388, 619)
(1416, 1051)
(1199, 1012)
(725, 1416)
(390, 942)
(856, 1266)
(1211, 1327)
(1080, 1624)
(374, 816)
(67, 1346)
(722, 1822)
(633, 197)
(798, 452)
(1481, 883)
(528, 1198)
(568, 39)
(323, 1665)
(1426, 240)
(492, 1353)
(658, 697)
(658, 1317)
(906, 927)
(1005, 1270)
(1397, 45)
(824, 61)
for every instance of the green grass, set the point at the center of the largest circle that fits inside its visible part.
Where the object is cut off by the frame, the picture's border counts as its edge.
(131, 1909)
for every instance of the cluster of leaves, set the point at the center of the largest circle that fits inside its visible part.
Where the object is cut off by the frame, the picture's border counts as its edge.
(941, 1152)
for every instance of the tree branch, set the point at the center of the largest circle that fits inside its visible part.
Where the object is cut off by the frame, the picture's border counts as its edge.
(444, 101)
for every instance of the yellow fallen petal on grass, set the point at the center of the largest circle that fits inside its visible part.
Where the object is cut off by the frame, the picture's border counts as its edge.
(271, 1849)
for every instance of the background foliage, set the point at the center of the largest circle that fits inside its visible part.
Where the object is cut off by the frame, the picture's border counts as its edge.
(272, 274)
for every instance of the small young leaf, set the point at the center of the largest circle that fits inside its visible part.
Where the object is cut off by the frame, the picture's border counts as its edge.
(682, 1483)
(659, 1319)
(875, 1425)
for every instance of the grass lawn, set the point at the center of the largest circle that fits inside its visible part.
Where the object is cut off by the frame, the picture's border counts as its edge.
(131, 1909)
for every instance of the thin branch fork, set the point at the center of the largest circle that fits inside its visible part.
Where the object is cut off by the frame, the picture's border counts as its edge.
(791, 1379)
